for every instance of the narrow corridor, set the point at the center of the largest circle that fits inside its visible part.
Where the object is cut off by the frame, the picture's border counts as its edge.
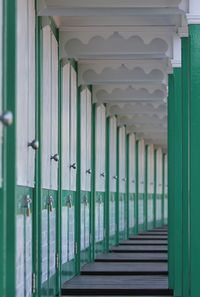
(136, 267)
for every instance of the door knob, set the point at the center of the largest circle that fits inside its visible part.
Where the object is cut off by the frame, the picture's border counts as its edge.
(55, 157)
(89, 171)
(34, 144)
(7, 118)
(73, 166)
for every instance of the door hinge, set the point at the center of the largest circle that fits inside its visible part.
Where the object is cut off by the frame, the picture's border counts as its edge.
(57, 261)
(104, 233)
(33, 283)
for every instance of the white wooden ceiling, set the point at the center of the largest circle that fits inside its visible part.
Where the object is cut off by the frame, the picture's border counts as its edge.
(125, 49)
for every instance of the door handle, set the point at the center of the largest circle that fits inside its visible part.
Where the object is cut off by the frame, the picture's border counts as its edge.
(69, 201)
(102, 174)
(55, 157)
(115, 177)
(73, 166)
(124, 179)
(50, 203)
(89, 171)
(7, 118)
(85, 200)
(34, 144)
(27, 203)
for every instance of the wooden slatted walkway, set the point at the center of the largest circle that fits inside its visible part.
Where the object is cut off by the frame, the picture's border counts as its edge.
(137, 267)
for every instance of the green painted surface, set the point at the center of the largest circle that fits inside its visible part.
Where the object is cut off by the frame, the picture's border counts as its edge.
(171, 122)
(112, 219)
(186, 139)
(150, 212)
(85, 228)
(159, 199)
(99, 218)
(38, 160)
(194, 157)
(131, 213)
(9, 92)
(68, 231)
(122, 216)
(48, 243)
(136, 198)
(141, 212)
(146, 187)
(154, 196)
(178, 182)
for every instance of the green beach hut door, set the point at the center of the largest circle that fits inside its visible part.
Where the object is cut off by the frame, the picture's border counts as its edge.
(25, 143)
(100, 145)
(50, 159)
(85, 199)
(150, 186)
(122, 183)
(141, 184)
(112, 180)
(69, 170)
(159, 186)
(165, 190)
(132, 182)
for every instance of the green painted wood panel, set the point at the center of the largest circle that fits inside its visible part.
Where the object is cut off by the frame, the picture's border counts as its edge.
(186, 149)
(194, 156)
(178, 182)
(171, 185)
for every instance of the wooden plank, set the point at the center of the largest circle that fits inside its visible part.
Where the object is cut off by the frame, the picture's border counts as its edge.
(132, 257)
(143, 242)
(136, 249)
(128, 285)
(147, 237)
(116, 268)
(154, 233)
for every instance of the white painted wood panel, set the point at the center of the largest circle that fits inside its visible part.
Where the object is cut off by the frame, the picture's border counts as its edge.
(54, 111)
(65, 127)
(122, 160)
(141, 166)
(46, 107)
(73, 126)
(132, 164)
(150, 169)
(31, 91)
(103, 148)
(22, 79)
(113, 154)
(89, 140)
(159, 172)
(98, 149)
(83, 139)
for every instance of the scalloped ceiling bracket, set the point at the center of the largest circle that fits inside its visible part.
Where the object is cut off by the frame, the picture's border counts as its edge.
(129, 95)
(88, 44)
(123, 75)
(98, 68)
